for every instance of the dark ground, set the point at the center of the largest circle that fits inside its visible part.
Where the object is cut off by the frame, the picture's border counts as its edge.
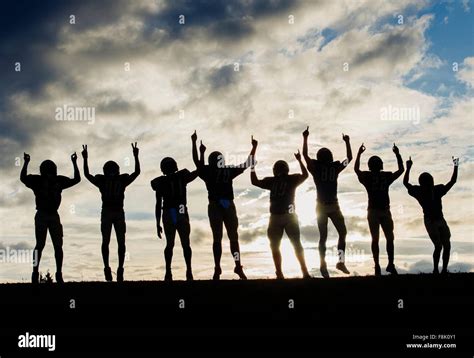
(356, 314)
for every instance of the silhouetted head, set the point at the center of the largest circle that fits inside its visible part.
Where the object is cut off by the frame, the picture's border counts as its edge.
(324, 155)
(375, 164)
(111, 168)
(280, 168)
(168, 166)
(216, 159)
(48, 168)
(426, 180)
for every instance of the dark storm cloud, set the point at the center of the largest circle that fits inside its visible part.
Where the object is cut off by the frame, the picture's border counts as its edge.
(206, 80)
(29, 34)
(16, 133)
(30, 30)
(13, 128)
(222, 77)
(229, 20)
(118, 105)
(396, 46)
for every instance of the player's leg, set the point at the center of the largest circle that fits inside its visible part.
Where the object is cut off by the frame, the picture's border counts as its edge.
(445, 237)
(106, 230)
(216, 220)
(170, 234)
(374, 227)
(56, 233)
(292, 229)
(184, 230)
(338, 220)
(231, 223)
(434, 235)
(386, 222)
(275, 234)
(120, 229)
(322, 218)
(41, 230)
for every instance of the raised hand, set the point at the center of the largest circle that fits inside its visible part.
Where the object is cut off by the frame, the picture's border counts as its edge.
(455, 161)
(135, 150)
(74, 157)
(26, 157)
(194, 136)
(254, 142)
(306, 132)
(395, 149)
(202, 148)
(84, 151)
(345, 137)
(409, 163)
(362, 148)
(298, 156)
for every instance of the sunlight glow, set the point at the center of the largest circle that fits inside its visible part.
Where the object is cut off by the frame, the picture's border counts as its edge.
(305, 202)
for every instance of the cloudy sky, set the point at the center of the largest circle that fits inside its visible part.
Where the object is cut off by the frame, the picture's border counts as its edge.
(155, 71)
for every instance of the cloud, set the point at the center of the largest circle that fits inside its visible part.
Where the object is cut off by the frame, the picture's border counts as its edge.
(426, 266)
(22, 245)
(222, 20)
(465, 5)
(466, 73)
(248, 235)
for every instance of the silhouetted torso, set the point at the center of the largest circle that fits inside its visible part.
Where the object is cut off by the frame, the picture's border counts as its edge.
(430, 200)
(219, 181)
(48, 190)
(377, 185)
(112, 189)
(282, 191)
(325, 177)
(172, 188)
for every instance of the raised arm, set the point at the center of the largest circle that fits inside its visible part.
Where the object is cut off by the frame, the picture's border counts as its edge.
(77, 175)
(68, 182)
(24, 170)
(347, 139)
(454, 177)
(253, 174)
(305, 148)
(253, 177)
(130, 178)
(401, 168)
(304, 171)
(253, 150)
(406, 177)
(136, 173)
(250, 159)
(202, 150)
(87, 174)
(198, 162)
(357, 162)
